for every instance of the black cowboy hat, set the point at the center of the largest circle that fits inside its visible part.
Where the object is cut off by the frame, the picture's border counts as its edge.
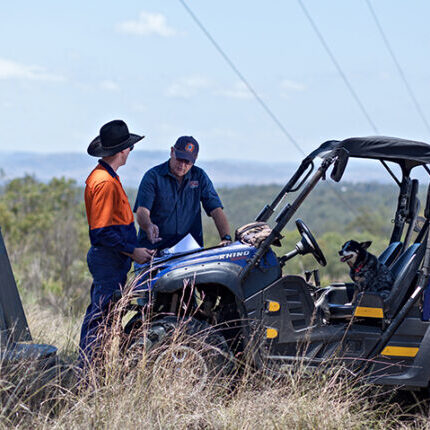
(114, 137)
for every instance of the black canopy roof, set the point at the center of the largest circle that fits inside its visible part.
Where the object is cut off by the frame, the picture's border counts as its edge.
(407, 153)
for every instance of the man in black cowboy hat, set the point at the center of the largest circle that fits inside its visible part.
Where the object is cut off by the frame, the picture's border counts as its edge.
(112, 232)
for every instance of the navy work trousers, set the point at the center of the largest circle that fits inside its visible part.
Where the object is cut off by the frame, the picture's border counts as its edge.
(109, 270)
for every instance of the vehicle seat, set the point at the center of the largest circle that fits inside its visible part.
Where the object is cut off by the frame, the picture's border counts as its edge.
(342, 293)
(404, 271)
(390, 254)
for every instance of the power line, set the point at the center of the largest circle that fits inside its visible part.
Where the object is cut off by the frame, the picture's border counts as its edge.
(339, 69)
(258, 98)
(242, 78)
(347, 83)
(399, 68)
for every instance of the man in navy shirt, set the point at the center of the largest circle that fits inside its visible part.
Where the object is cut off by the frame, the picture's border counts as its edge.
(168, 200)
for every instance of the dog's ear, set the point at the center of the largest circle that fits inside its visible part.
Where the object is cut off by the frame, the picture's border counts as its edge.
(366, 245)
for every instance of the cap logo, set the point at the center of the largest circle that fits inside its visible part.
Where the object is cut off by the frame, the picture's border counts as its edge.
(189, 147)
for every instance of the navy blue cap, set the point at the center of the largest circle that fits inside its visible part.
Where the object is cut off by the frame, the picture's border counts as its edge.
(186, 148)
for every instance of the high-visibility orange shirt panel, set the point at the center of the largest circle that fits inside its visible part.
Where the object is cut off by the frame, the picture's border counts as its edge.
(108, 211)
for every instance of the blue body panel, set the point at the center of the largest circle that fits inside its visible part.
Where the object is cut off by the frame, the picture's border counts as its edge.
(237, 254)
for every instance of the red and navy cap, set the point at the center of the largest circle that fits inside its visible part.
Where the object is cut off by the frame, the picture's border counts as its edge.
(186, 148)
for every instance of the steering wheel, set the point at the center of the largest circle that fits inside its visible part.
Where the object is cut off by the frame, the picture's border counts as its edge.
(309, 242)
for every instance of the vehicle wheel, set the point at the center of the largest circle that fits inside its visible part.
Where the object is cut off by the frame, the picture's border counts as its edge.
(189, 353)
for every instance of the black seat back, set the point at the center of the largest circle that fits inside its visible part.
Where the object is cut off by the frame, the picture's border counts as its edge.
(404, 271)
(389, 255)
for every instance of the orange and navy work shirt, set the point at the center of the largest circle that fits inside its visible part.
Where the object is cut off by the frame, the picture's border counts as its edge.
(109, 214)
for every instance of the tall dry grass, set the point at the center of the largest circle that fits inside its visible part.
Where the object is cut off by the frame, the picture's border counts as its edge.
(116, 396)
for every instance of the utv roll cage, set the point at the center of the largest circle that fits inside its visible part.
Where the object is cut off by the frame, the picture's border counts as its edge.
(408, 154)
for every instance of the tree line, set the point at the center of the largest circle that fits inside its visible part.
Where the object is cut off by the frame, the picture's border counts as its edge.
(46, 233)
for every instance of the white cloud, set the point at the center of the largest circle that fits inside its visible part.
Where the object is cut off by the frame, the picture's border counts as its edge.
(186, 88)
(239, 91)
(147, 23)
(109, 85)
(288, 86)
(13, 70)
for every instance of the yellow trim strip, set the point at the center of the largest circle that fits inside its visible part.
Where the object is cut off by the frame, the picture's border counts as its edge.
(363, 311)
(271, 333)
(273, 306)
(400, 351)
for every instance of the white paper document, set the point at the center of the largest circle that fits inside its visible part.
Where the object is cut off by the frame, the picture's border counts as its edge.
(188, 243)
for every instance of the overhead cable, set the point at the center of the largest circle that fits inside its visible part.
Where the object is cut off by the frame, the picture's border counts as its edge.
(257, 97)
(339, 69)
(242, 78)
(344, 77)
(399, 68)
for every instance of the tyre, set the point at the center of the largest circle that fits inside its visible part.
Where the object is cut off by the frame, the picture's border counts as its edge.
(187, 352)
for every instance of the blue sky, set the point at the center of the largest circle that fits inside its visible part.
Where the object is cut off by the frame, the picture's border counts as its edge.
(68, 67)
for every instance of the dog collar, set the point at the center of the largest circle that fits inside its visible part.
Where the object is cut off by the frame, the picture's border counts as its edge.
(357, 269)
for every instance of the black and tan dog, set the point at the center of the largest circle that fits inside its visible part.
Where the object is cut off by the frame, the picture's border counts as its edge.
(365, 269)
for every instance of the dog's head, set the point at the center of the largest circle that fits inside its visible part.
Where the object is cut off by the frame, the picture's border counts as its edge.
(353, 252)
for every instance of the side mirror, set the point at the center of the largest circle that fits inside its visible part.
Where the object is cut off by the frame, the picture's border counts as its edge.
(339, 164)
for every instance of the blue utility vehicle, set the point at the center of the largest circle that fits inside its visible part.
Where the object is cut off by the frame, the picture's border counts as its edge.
(241, 301)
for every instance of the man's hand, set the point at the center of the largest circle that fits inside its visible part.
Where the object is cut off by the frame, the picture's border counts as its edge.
(152, 232)
(143, 216)
(142, 255)
(225, 243)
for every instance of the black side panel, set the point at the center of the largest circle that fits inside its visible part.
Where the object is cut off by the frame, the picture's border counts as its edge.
(300, 331)
(296, 306)
(253, 307)
(409, 365)
(411, 372)
(11, 310)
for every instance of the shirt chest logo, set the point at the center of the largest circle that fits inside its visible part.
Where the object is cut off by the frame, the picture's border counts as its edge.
(194, 184)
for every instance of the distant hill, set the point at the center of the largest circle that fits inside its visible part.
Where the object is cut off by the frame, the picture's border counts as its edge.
(223, 172)
(330, 207)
